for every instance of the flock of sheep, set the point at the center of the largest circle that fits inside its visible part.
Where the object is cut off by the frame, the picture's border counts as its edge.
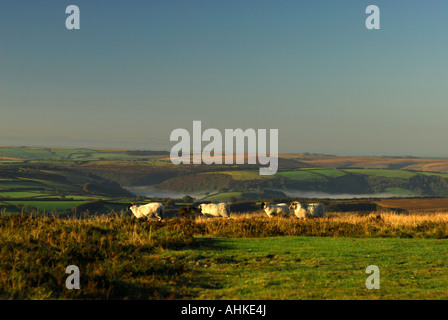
(156, 210)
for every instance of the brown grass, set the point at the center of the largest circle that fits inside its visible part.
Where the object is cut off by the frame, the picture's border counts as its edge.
(338, 224)
(116, 257)
(393, 219)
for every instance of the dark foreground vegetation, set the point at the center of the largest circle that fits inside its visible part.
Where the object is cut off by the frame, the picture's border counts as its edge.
(124, 258)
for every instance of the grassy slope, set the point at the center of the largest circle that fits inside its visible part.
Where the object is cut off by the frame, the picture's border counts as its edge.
(300, 175)
(388, 173)
(223, 196)
(329, 172)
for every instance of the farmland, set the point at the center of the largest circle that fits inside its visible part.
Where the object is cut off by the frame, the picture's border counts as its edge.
(49, 178)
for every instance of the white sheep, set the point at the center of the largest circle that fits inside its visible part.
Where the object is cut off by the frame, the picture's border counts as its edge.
(312, 210)
(275, 209)
(217, 210)
(154, 210)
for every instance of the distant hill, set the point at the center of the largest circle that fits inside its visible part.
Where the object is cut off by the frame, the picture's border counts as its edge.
(405, 163)
(106, 172)
(36, 153)
(44, 181)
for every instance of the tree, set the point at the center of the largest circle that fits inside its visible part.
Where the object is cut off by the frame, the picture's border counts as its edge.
(188, 199)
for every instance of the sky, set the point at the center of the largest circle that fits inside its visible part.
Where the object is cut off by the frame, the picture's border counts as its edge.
(137, 70)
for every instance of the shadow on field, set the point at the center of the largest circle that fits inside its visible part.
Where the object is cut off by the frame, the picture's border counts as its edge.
(212, 243)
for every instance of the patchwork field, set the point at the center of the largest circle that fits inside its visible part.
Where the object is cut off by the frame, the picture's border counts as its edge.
(328, 174)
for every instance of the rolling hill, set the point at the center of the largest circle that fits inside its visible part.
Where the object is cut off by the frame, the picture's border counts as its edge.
(57, 172)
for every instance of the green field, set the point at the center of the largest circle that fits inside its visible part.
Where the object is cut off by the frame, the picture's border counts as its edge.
(19, 183)
(388, 173)
(21, 194)
(301, 175)
(123, 258)
(224, 196)
(317, 268)
(330, 172)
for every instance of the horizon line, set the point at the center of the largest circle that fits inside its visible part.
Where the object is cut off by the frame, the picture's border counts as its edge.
(111, 149)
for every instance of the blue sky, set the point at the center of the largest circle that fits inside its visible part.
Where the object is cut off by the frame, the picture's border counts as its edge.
(136, 71)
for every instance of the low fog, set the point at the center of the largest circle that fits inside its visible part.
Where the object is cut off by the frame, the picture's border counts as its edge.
(323, 195)
(152, 192)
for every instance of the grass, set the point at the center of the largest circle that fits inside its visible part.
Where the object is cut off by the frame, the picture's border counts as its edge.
(388, 173)
(23, 184)
(330, 172)
(248, 256)
(114, 255)
(432, 225)
(20, 194)
(300, 175)
(224, 196)
(444, 175)
(51, 184)
(318, 268)
(243, 174)
(399, 191)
